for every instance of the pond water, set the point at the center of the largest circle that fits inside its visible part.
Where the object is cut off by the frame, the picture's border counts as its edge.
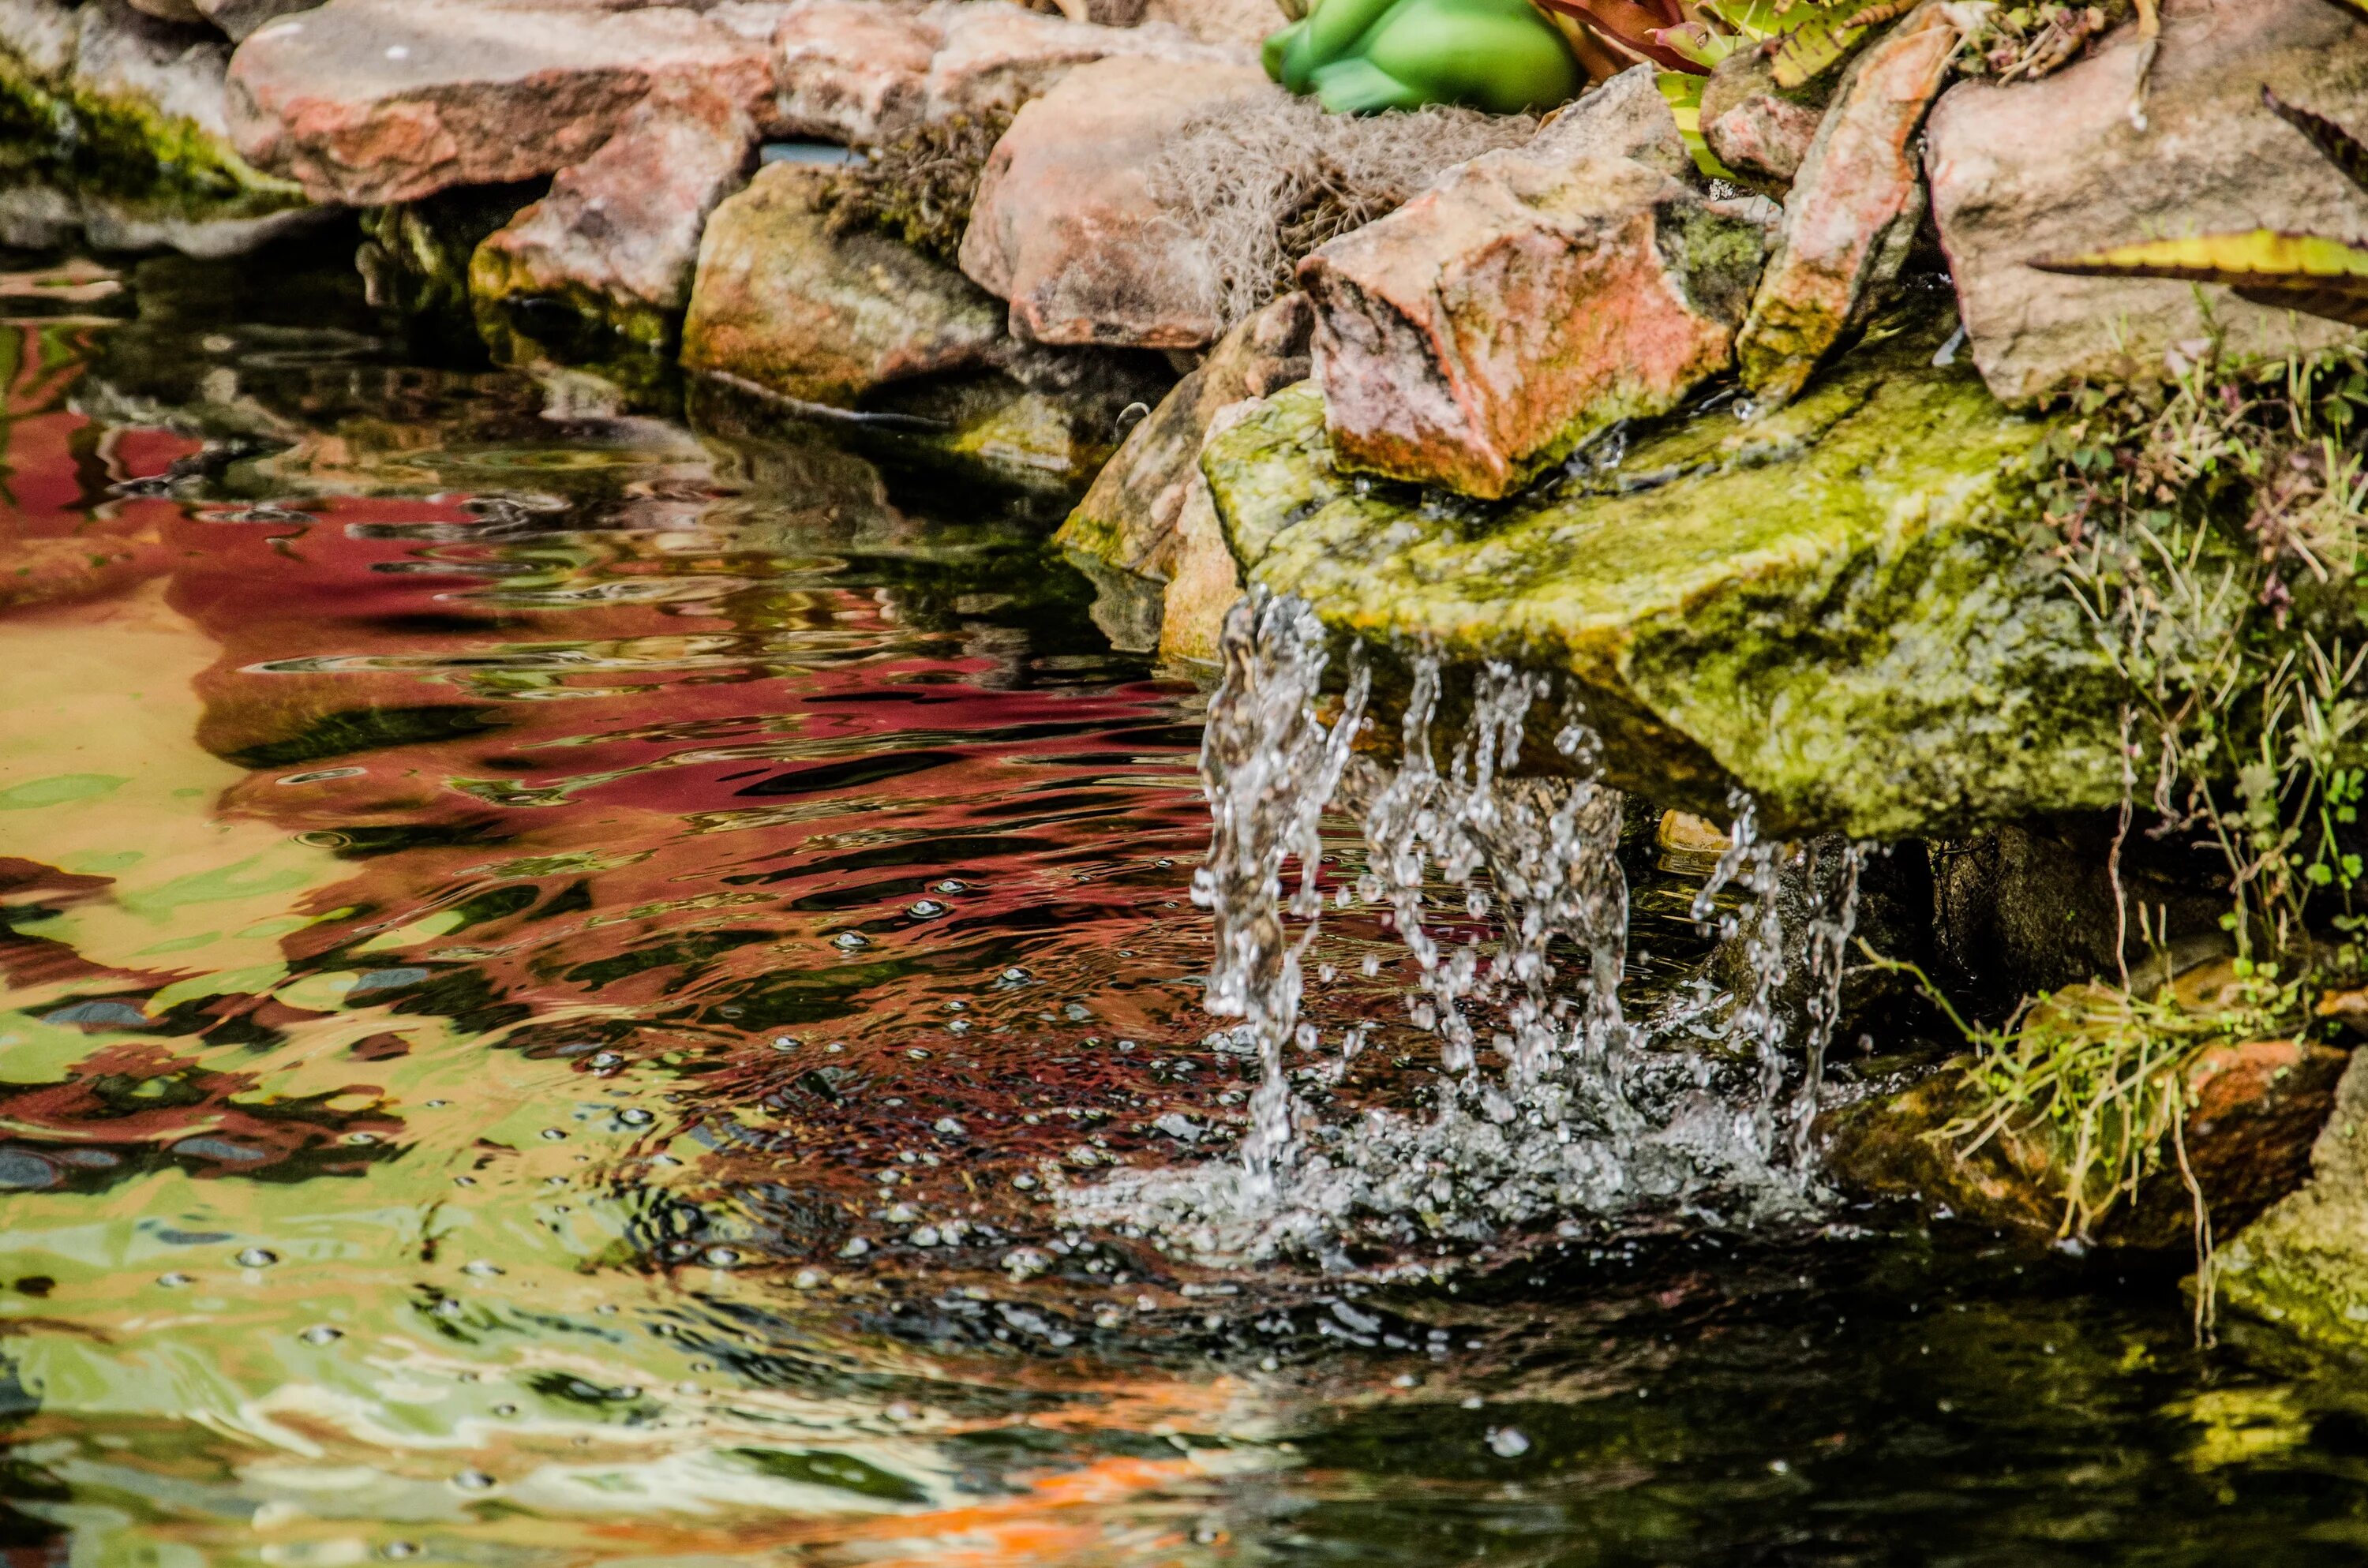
(559, 969)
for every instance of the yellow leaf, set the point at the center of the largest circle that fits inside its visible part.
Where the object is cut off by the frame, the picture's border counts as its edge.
(2304, 272)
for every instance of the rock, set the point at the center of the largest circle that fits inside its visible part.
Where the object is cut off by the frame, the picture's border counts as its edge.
(121, 134)
(1853, 208)
(1819, 605)
(866, 70)
(241, 18)
(1526, 301)
(2254, 1109)
(855, 71)
(2304, 1263)
(1149, 512)
(180, 11)
(783, 304)
(1625, 117)
(370, 102)
(1065, 226)
(39, 38)
(1243, 24)
(1754, 127)
(2055, 167)
(617, 240)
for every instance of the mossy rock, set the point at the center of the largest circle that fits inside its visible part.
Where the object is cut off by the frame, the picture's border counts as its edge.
(1832, 605)
(128, 150)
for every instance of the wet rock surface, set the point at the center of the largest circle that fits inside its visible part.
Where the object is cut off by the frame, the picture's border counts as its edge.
(1856, 200)
(1065, 227)
(1818, 604)
(1528, 299)
(2057, 168)
(2304, 1264)
(369, 102)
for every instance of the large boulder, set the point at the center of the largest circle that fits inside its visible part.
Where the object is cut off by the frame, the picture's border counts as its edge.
(370, 102)
(1853, 210)
(617, 239)
(1149, 514)
(867, 71)
(2304, 1264)
(1529, 298)
(2062, 165)
(1826, 604)
(1065, 226)
(782, 302)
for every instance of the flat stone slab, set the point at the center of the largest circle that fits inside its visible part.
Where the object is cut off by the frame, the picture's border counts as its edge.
(1828, 605)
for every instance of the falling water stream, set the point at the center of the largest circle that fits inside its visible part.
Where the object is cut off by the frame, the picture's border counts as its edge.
(1549, 1107)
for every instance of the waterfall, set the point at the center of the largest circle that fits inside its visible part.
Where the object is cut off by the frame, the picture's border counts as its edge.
(1551, 1106)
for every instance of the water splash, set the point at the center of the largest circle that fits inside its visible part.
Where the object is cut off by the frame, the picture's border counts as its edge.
(1551, 1106)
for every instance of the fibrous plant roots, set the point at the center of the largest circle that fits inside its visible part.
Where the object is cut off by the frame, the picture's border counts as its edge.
(1265, 184)
(920, 186)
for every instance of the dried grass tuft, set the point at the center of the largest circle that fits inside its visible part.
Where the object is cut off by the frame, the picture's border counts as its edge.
(1264, 185)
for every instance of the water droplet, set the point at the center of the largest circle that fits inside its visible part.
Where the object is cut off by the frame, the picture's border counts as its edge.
(1508, 1442)
(361, 1137)
(848, 941)
(807, 1279)
(552, 1135)
(634, 1116)
(917, 1054)
(505, 1409)
(784, 1043)
(322, 1333)
(257, 1257)
(176, 1281)
(902, 1214)
(607, 1059)
(481, 1268)
(927, 1236)
(721, 1258)
(473, 1481)
(399, 1550)
(438, 1105)
(1014, 975)
(926, 909)
(949, 886)
(856, 1248)
(949, 1126)
(1024, 1182)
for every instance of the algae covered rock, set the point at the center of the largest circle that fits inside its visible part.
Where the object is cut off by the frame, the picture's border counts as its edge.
(1830, 605)
(2304, 1264)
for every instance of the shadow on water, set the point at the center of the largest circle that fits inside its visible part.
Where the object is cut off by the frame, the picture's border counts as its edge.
(555, 962)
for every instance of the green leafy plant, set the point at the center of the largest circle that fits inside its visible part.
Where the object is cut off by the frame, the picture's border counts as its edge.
(2317, 274)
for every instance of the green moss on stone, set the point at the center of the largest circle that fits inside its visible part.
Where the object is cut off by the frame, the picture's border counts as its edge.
(1831, 604)
(123, 149)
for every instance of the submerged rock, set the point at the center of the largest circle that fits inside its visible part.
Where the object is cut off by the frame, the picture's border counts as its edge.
(1526, 301)
(370, 102)
(617, 239)
(118, 128)
(1829, 605)
(1853, 208)
(782, 302)
(1149, 512)
(2057, 168)
(1065, 226)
